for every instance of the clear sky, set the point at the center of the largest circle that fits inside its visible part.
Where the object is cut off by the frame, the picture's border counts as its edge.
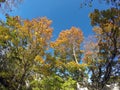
(63, 13)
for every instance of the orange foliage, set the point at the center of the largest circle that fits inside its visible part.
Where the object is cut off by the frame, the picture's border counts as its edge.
(67, 39)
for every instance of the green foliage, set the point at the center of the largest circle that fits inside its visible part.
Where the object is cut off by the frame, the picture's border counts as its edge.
(53, 82)
(70, 84)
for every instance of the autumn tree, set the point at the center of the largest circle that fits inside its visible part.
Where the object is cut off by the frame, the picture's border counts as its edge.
(62, 66)
(26, 62)
(68, 53)
(103, 57)
(23, 44)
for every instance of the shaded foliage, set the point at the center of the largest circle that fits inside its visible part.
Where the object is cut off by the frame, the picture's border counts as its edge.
(103, 57)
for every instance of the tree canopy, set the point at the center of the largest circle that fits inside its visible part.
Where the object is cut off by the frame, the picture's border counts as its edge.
(31, 60)
(103, 56)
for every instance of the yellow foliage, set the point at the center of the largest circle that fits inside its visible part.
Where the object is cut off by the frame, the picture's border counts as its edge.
(36, 33)
(83, 65)
(59, 64)
(98, 30)
(6, 37)
(68, 38)
(39, 58)
(73, 66)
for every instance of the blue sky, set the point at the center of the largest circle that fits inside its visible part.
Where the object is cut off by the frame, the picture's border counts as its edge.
(63, 13)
